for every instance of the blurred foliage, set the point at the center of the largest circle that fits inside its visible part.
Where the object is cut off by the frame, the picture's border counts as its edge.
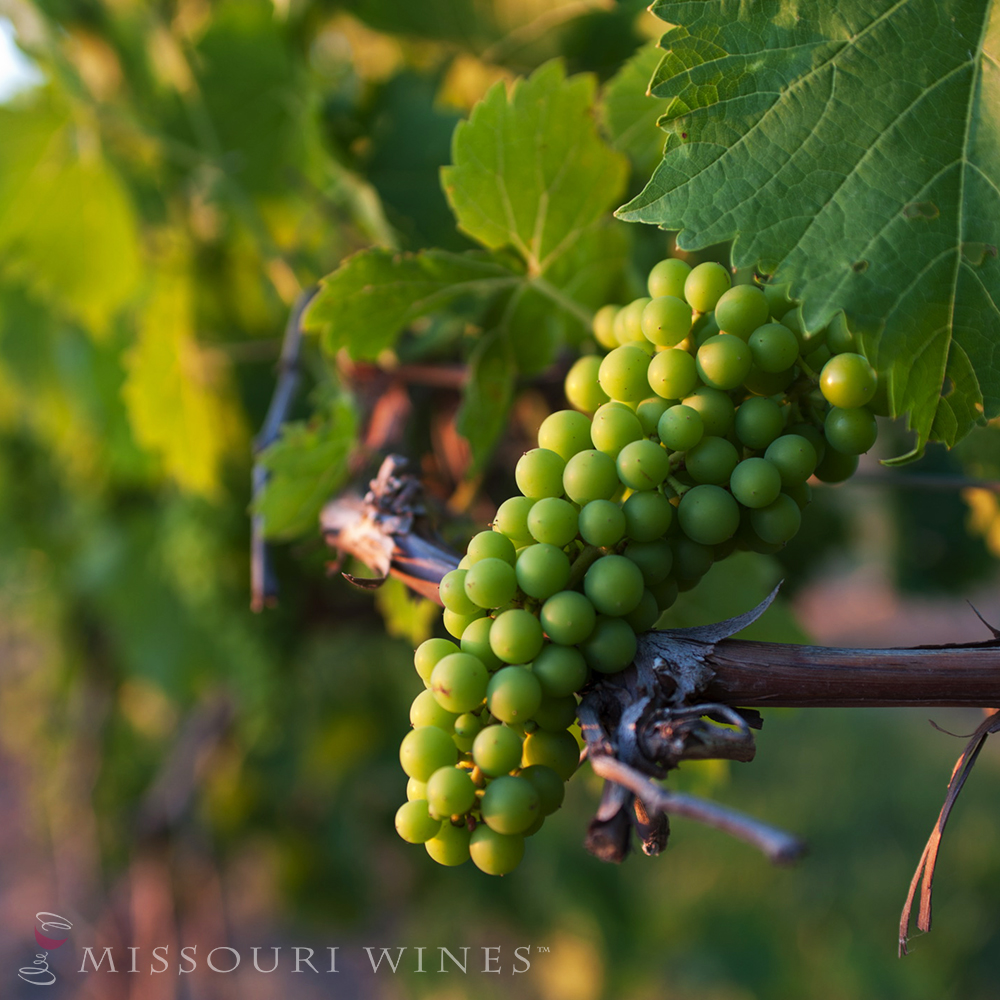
(184, 171)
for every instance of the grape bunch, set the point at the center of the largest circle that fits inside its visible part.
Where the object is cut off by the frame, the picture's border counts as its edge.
(694, 436)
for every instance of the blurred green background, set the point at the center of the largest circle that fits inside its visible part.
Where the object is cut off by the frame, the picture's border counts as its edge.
(175, 769)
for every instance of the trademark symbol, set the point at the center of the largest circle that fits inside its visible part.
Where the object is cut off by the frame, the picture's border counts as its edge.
(542, 948)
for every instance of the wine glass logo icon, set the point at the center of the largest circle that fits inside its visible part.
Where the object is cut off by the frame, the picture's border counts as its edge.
(49, 930)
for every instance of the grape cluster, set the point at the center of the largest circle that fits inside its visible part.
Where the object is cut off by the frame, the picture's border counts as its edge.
(694, 436)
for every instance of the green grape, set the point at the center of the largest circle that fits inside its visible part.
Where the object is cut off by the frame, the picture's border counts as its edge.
(691, 560)
(778, 521)
(813, 435)
(708, 515)
(510, 804)
(774, 348)
(654, 560)
(645, 615)
(490, 545)
(415, 789)
(558, 751)
(604, 328)
(516, 636)
(581, 386)
(428, 653)
(706, 284)
(590, 475)
(703, 328)
(542, 570)
(614, 426)
(450, 792)
(668, 277)
(839, 338)
(554, 521)
(414, 822)
(724, 360)
(711, 460)
(649, 412)
(459, 683)
(755, 482)
(741, 310)
(680, 427)
(801, 494)
(629, 327)
(611, 646)
(451, 845)
(496, 750)
(672, 374)
(512, 518)
(748, 539)
(666, 321)
(602, 523)
(851, 432)
(836, 467)
(714, 407)
(793, 456)
(762, 383)
(491, 583)
(476, 642)
(456, 624)
(848, 381)
(425, 711)
(453, 596)
(495, 853)
(550, 787)
(815, 360)
(623, 373)
(555, 714)
(467, 726)
(513, 695)
(643, 465)
(565, 432)
(567, 617)
(561, 670)
(778, 300)
(648, 516)
(758, 422)
(614, 585)
(665, 593)
(539, 473)
(426, 749)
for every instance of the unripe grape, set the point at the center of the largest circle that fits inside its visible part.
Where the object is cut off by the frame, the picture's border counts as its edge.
(467, 726)
(490, 583)
(649, 412)
(778, 521)
(602, 522)
(741, 310)
(513, 695)
(425, 711)
(774, 347)
(553, 520)
(755, 482)
(451, 845)
(758, 422)
(512, 517)
(414, 822)
(665, 593)
(611, 646)
(490, 545)
(550, 787)
(516, 636)
(428, 653)
(476, 642)
(793, 456)
(711, 460)
(691, 560)
(714, 407)
(496, 750)
(604, 327)
(590, 475)
(558, 751)
(452, 593)
(426, 749)
(851, 432)
(415, 789)
(672, 374)
(623, 373)
(614, 426)
(645, 615)
(565, 432)
(555, 714)
(459, 683)
(495, 853)
(643, 465)
(708, 515)
(705, 285)
(668, 277)
(666, 321)
(629, 321)
(654, 560)
(455, 624)
(762, 383)
(680, 427)
(581, 387)
(539, 473)
(647, 515)
(724, 360)
(561, 670)
(836, 467)
(450, 792)
(510, 804)
(567, 617)
(614, 585)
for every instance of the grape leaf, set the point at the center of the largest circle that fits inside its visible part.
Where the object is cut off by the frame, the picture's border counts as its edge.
(307, 465)
(530, 170)
(488, 395)
(852, 149)
(629, 113)
(376, 293)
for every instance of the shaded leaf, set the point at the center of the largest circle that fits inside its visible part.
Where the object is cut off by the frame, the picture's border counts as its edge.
(856, 161)
(307, 465)
(374, 295)
(488, 395)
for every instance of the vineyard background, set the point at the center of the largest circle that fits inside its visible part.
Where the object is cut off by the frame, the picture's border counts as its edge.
(173, 766)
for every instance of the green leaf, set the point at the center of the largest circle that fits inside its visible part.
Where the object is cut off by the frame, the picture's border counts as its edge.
(488, 395)
(530, 169)
(406, 615)
(854, 150)
(374, 295)
(629, 112)
(308, 464)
